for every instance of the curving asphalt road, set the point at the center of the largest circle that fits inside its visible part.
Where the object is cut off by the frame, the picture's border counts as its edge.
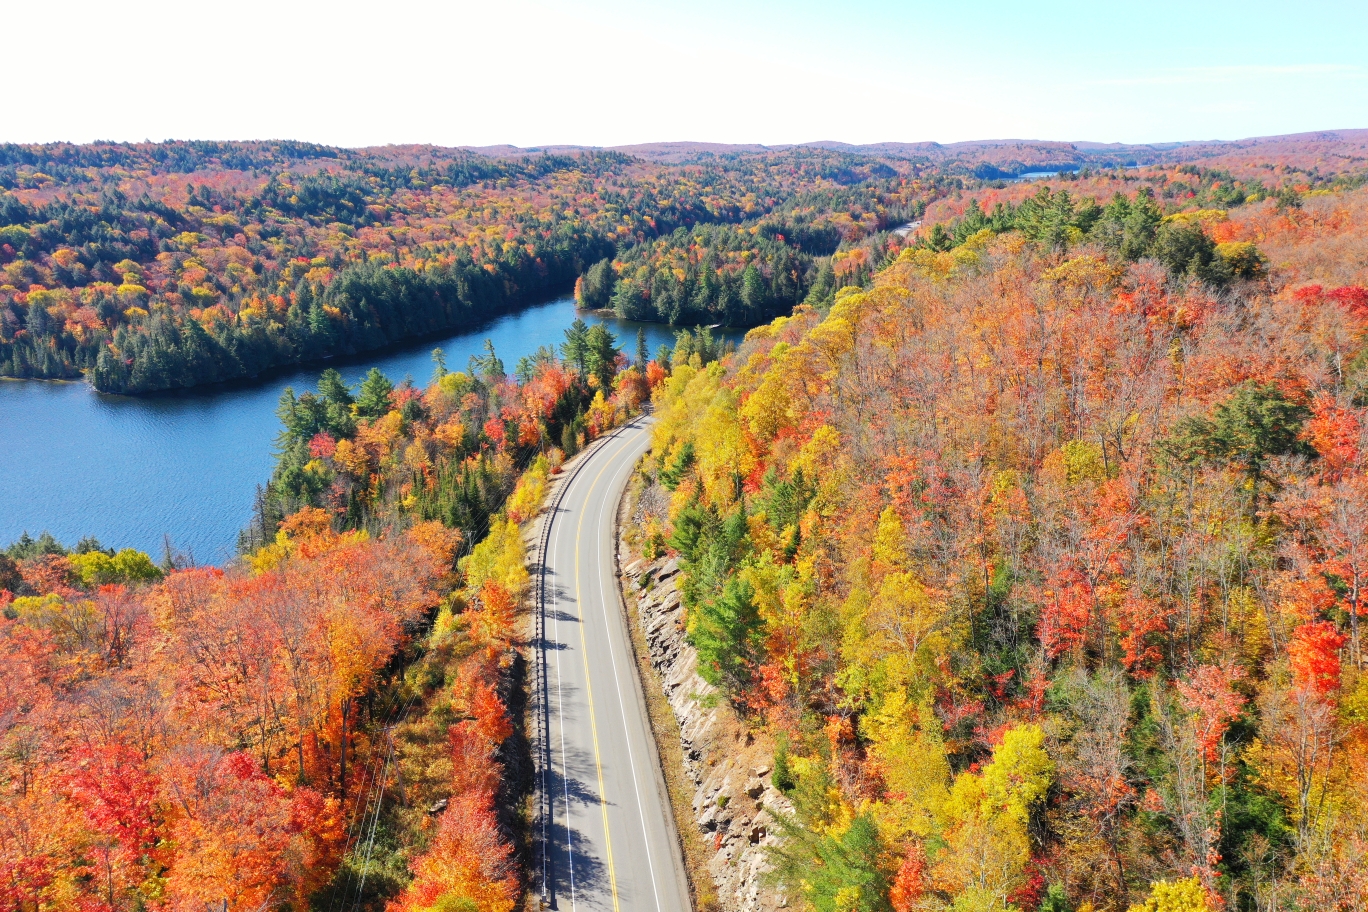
(607, 840)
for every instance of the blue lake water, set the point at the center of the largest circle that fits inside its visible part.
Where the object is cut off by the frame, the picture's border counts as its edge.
(130, 471)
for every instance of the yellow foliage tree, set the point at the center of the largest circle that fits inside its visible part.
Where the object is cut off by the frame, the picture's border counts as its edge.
(501, 557)
(1175, 896)
(128, 565)
(527, 497)
(985, 822)
(909, 753)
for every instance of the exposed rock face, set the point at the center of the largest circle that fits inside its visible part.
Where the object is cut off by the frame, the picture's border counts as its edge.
(728, 766)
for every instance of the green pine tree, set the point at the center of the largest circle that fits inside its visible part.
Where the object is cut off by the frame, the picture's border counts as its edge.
(374, 399)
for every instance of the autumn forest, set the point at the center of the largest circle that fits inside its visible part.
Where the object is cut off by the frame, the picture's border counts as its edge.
(1041, 557)
(146, 267)
(1029, 523)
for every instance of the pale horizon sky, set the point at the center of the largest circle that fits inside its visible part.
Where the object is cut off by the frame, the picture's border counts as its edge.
(611, 72)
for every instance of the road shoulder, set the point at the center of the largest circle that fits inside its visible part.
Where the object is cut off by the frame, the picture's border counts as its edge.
(715, 768)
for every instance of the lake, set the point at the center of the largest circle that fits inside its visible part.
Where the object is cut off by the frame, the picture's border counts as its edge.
(130, 471)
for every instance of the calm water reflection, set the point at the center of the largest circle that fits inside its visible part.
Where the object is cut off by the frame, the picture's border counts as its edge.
(129, 471)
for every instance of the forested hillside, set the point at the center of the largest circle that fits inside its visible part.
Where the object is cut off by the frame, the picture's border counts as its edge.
(334, 720)
(1042, 557)
(155, 266)
(741, 275)
(1034, 535)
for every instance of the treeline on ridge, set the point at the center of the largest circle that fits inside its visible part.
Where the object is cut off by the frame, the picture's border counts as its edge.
(154, 266)
(141, 285)
(746, 274)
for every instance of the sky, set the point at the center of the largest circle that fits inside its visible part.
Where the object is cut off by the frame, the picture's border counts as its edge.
(610, 72)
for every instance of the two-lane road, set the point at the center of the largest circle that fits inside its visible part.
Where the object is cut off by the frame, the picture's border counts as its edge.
(604, 814)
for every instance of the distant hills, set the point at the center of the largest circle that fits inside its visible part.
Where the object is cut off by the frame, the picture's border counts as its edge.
(1325, 151)
(1009, 157)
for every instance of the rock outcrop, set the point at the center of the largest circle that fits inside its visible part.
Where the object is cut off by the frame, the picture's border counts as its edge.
(727, 765)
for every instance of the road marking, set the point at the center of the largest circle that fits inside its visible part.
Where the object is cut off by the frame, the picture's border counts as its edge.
(589, 689)
(593, 724)
(622, 707)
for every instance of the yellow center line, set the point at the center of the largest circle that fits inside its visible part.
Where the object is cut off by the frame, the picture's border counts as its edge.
(588, 688)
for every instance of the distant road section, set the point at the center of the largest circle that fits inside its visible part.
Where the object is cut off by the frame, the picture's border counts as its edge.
(603, 814)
